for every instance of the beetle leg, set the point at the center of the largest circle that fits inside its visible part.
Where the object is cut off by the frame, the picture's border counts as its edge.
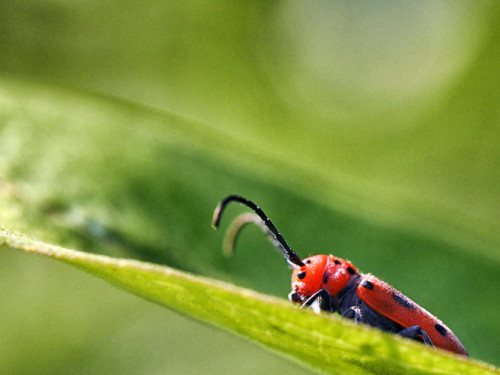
(354, 313)
(324, 299)
(414, 332)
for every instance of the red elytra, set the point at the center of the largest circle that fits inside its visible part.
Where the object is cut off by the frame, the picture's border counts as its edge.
(336, 286)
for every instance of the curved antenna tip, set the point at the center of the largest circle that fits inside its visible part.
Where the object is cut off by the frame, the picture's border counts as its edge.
(216, 217)
(235, 228)
(221, 206)
(278, 239)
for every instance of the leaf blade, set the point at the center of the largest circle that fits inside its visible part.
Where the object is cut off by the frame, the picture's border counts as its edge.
(322, 342)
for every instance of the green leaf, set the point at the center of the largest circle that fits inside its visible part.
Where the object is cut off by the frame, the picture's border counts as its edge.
(115, 178)
(382, 150)
(325, 342)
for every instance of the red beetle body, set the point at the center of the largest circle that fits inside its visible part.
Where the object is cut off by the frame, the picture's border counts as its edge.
(350, 290)
(337, 286)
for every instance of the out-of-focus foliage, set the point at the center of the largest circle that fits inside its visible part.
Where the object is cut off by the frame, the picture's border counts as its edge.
(367, 130)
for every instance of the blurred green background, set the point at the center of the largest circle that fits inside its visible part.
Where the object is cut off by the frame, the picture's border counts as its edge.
(368, 130)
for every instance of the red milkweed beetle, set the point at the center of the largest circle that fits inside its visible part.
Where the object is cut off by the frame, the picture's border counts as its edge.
(336, 285)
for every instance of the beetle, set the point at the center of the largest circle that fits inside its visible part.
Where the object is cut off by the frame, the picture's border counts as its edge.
(333, 285)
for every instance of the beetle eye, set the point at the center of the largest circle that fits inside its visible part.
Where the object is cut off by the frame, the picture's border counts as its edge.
(301, 275)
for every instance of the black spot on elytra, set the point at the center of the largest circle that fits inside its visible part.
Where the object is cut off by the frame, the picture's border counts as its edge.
(368, 285)
(350, 270)
(301, 275)
(336, 261)
(325, 277)
(440, 329)
(402, 301)
(308, 261)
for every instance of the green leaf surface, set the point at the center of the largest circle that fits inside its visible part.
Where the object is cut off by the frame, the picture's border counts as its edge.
(115, 178)
(366, 130)
(323, 342)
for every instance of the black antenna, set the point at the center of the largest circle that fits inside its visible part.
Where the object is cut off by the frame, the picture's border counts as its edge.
(289, 254)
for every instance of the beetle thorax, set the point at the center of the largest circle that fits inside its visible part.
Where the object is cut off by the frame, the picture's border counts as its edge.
(321, 272)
